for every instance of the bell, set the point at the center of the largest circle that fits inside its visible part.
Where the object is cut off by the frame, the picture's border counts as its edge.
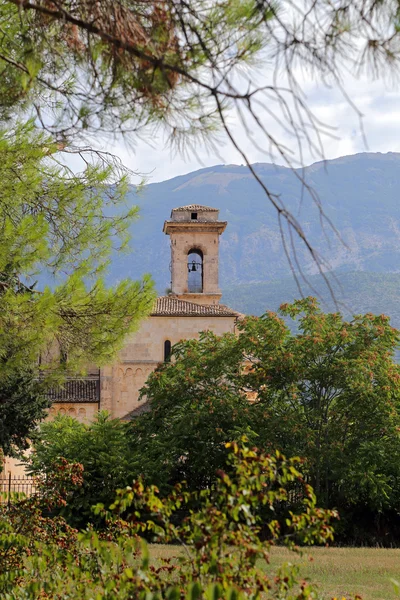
(193, 266)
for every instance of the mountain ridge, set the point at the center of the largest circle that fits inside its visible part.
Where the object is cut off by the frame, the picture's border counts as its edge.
(360, 194)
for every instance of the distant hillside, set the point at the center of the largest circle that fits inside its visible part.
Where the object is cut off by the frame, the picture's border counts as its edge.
(360, 194)
(358, 292)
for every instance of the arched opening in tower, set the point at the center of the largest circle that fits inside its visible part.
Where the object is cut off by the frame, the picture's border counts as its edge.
(195, 271)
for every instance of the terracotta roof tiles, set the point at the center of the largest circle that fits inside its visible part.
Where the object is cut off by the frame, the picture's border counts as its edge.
(171, 306)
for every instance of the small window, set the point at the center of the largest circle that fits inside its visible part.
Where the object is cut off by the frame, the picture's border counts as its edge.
(194, 216)
(167, 351)
(63, 357)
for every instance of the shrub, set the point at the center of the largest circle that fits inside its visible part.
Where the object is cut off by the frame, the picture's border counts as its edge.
(24, 529)
(103, 450)
(223, 555)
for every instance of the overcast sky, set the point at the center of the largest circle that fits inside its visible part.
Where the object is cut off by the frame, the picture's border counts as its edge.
(377, 100)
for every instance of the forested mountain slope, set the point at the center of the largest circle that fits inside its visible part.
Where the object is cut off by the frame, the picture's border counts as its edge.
(356, 292)
(359, 193)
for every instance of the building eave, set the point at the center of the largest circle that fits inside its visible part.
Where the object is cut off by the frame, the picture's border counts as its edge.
(188, 226)
(171, 306)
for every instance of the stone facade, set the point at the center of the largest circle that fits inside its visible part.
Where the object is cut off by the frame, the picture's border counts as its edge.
(178, 316)
(83, 411)
(145, 350)
(195, 228)
(194, 231)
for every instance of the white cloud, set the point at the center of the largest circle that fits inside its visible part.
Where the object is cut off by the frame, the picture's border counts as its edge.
(378, 103)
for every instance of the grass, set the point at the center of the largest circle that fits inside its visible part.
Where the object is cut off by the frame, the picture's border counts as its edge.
(349, 571)
(338, 571)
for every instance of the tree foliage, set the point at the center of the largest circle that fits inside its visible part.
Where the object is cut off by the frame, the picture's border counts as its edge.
(219, 552)
(55, 226)
(23, 525)
(54, 222)
(101, 447)
(176, 62)
(185, 66)
(23, 405)
(58, 228)
(329, 392)
(334, 387)
(196, 407)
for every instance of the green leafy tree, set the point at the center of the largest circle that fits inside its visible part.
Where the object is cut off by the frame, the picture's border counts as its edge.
(59, 227)
(328, 392)
(331, 390)
(56, 223)
(196, 407)
(101, 447)
(23, 405)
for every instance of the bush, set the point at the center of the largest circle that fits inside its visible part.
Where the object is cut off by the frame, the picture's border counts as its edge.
(223, 555)
(102, 448)
(24, 529)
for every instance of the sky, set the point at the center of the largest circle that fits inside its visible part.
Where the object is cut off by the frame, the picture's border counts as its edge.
(377, 100)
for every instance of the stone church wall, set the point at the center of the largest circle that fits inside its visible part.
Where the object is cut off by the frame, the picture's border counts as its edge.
(144, 350)
(83, 412)
(190, 227)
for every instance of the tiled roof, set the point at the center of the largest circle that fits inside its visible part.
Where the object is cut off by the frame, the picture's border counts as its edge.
(196, 207)
(171, 306)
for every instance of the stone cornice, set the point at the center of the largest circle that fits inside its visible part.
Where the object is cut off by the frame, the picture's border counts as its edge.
(190, 226)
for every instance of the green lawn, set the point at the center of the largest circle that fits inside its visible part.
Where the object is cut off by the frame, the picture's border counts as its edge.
(338, 571)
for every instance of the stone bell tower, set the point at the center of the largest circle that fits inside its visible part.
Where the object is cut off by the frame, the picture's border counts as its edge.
(194, 231)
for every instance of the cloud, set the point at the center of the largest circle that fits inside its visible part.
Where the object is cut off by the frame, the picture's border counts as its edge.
(377, 101)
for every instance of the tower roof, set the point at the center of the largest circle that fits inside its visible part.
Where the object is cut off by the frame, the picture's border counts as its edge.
(196, 207)
(196, 215)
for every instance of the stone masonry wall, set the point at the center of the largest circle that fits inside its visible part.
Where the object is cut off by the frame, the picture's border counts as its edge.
(144, 350)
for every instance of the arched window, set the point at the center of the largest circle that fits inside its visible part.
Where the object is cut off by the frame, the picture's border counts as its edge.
(167, 351)
(195, 271)
(63, 357)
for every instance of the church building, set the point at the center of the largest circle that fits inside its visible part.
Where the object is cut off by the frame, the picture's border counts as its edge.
(192, 305)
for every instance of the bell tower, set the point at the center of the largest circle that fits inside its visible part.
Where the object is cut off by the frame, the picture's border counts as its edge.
(194, 231)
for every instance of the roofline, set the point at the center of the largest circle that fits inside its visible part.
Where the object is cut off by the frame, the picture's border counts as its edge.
(185, 308)
(195, 316)
(173, 226)
(199, 208)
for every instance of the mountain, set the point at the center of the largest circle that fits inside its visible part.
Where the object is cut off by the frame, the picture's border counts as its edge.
(359, 193)
(356, 292)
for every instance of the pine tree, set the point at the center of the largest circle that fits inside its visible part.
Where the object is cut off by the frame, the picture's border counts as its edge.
(56, 225)
(23, 405)
(53, 222)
